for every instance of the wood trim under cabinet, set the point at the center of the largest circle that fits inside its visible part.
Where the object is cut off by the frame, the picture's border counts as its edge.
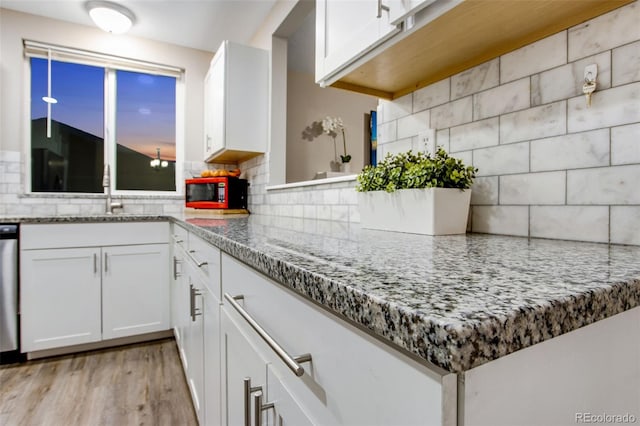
(470, 34)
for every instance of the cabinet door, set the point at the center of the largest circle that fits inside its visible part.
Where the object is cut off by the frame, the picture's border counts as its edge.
(194, 341)
(212, 381)
(240, 361)
(59, 298)
(215, 94)
(179, 297)
(287, 410)
(135, 290)
(345, 31)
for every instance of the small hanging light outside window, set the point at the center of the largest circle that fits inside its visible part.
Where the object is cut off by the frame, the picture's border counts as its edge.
(110, 17)
(49, 99)
(157, 163)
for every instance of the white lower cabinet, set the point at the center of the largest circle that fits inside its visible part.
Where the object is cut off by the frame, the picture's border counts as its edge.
(194, 342)
(244, 371)
(60, 298)
(195, 308)
(135, 290)
(352, 378)
(72, 293)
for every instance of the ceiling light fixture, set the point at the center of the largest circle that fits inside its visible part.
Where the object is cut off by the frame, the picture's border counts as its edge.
(110, 17)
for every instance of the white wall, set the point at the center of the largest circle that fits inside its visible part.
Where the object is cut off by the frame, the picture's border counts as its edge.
(548, 166)
(307, 102)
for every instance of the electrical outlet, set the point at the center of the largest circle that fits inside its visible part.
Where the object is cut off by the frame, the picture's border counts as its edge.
(427, 141)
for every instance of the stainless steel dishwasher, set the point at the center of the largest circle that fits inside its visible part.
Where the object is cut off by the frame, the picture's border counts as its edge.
(9, 334)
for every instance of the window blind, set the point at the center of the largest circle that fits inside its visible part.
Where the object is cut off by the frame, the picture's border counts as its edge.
(35, 49)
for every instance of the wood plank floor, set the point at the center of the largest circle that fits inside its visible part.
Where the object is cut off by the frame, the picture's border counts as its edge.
(141, 384)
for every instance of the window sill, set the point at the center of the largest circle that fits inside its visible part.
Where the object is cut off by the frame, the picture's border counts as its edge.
(77, 195)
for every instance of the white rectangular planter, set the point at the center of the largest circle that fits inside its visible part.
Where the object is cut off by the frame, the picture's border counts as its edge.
(431, 211)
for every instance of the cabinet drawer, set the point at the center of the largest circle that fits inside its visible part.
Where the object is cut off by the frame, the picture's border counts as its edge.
(352, 378)
(68, 235)
(207, 260)
(179, 235)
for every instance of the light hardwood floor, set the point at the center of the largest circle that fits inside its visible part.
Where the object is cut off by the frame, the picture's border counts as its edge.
(141, 384)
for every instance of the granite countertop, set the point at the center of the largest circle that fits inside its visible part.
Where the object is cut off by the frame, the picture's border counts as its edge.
(455, 301)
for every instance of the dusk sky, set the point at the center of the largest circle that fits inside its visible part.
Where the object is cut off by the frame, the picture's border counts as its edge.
(145, 110)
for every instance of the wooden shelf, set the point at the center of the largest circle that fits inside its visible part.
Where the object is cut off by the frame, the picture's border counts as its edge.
(469, 34)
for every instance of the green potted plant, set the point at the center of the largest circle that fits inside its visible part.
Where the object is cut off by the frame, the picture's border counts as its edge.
(416, 193)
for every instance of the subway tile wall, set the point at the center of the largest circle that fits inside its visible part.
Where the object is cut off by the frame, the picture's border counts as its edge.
(549, 166)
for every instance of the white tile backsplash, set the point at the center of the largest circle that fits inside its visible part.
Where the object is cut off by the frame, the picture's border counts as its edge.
(605, 32)
(402, 145)
(612, 107)
(500, 160)
(485, 191)
(534, 123)
(566, 81)
(432, 95)
(452, 114)
(387, 132)
(482, 77)
(604, 185)
(412, 125)
(533, 188)
(625, 144)
(574, 151)
(586, 223)
(479, 134)
(505, 220)
(545, 54)
(625, 225)
(626, 60)
(401, 107)
(502, 99)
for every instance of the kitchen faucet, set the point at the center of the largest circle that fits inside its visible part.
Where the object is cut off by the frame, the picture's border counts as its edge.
(106, 183)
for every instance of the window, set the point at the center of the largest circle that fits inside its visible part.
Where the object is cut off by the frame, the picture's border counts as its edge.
(99, 115)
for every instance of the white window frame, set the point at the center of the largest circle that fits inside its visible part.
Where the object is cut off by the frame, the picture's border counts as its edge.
(110, 64)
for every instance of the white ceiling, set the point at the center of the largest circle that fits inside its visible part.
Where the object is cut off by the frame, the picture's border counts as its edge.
(200, 24)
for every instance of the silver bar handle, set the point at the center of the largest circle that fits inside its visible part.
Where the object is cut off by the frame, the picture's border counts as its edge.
(106, 264)
(198, 263)
(248, 390)
(194, 311)
(259, 407)
(176, 239)
(175, 268)
(292, 362)
(381, 7)
(95, 263)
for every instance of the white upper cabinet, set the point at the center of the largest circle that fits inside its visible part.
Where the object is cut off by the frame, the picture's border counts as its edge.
(346, 30)
(401, 9)
(236, 104)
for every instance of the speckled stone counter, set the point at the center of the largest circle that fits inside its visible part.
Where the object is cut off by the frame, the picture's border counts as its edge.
(455, 301)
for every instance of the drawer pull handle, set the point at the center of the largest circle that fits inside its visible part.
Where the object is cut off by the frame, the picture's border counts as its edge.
(381, 7)
(248, 390)
(194, 311)
(292, 362)
(176, 274)
(198, 263)
(259, 407)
